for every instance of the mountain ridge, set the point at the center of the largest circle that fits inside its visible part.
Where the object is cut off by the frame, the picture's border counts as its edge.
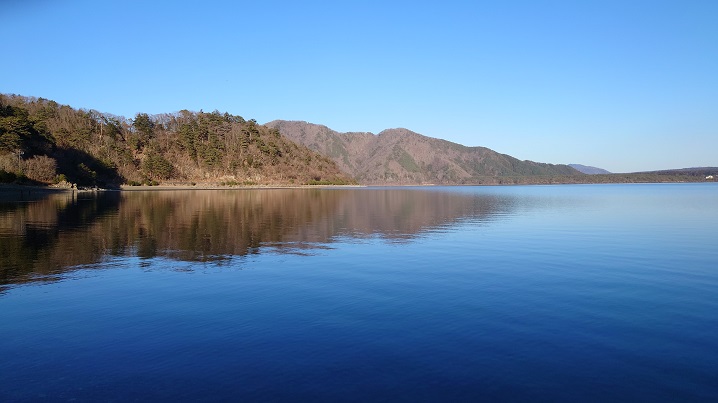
(402, 156)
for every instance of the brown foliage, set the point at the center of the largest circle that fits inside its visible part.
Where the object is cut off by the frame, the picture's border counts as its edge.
(41, 168)
(174, 148)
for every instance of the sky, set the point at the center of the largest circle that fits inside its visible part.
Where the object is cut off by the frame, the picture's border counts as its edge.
(624, 85)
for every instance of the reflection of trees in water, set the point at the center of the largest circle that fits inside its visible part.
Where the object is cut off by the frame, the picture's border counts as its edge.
(42, 235)
(205, 225)
(62, 231)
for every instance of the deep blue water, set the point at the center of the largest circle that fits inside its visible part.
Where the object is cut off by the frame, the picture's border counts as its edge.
(525, 293)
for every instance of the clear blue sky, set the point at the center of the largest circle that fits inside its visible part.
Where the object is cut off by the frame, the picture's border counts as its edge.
(625, 85)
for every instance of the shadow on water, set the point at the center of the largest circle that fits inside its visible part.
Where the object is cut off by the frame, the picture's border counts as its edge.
(48, 234)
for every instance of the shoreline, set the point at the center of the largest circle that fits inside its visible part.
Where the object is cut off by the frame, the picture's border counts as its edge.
(11, 187)
(127, 188)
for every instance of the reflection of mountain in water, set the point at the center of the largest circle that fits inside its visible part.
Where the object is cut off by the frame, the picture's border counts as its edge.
(404, 213)
(63, 230)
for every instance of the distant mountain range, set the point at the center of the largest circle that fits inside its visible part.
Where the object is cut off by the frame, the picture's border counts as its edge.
(588, 169)
(400, 156)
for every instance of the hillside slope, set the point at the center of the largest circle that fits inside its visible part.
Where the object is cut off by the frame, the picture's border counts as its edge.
(400, 156)
(45, 142)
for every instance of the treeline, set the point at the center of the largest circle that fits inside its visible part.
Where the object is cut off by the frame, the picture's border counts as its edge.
(42, 141)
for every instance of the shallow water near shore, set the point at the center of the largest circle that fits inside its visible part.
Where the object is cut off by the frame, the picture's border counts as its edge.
(521, 293)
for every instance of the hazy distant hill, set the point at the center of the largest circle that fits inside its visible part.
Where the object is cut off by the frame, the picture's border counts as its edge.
(400, 156)
(588, 169)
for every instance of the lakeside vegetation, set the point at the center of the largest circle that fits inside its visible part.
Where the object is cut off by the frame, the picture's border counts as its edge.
(43, 142)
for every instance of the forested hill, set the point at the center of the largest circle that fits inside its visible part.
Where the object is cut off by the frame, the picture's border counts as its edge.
(400, 156)
(42, 141)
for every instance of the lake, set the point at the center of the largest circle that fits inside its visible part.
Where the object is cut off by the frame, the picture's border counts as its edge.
(521, 293)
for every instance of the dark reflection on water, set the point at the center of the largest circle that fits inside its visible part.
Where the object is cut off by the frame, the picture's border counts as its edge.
(44, 233)
(47, 234)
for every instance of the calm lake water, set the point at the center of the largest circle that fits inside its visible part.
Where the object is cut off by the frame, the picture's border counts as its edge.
(526, 293)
